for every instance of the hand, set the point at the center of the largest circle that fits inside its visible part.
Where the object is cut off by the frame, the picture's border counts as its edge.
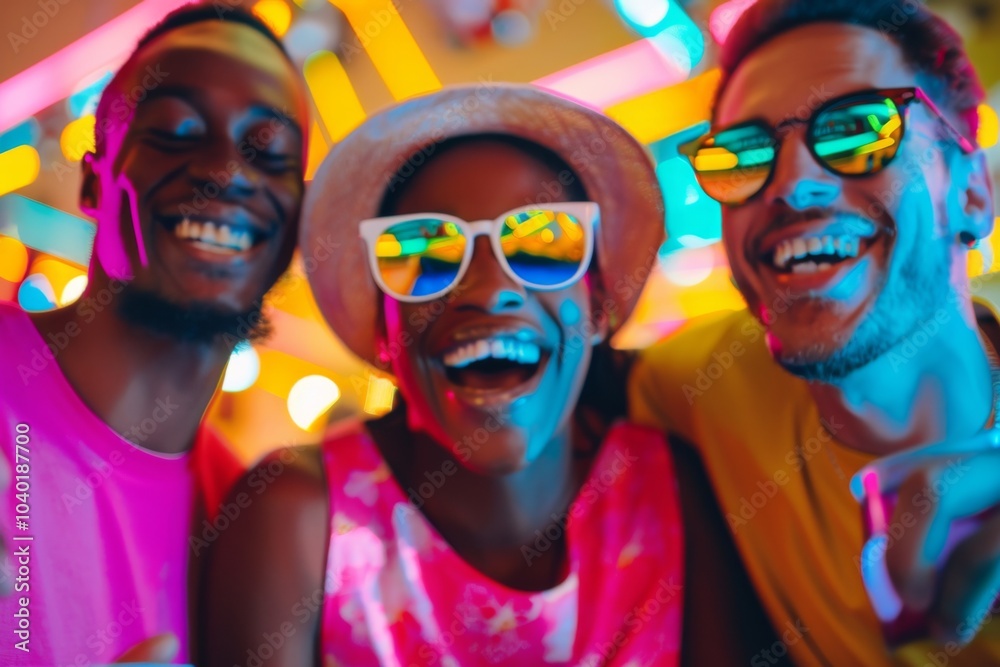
(159, 649)
(943, 555)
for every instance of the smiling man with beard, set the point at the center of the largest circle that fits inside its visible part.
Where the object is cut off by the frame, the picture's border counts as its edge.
(196, 185)
(843, 150)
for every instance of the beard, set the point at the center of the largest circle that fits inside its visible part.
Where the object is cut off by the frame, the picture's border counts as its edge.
(198, 323)
(920, 290)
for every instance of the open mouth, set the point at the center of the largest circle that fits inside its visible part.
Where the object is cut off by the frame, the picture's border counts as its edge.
(215, 237)
(836, 242)
(811, 254)
(494, 363)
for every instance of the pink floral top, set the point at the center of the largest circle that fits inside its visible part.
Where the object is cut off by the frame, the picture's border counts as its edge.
(397, 595)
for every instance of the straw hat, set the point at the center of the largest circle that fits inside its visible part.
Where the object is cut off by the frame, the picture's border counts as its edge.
(616, 171)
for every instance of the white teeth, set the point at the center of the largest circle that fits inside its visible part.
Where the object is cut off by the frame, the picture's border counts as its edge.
(799, 248)
(511, 349)
(828, 248)
(802, 248)
(220, 237)
(804, 267)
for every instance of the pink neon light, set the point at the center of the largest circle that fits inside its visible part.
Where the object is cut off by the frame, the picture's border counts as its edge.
(54, 78)
(616, 76)
(873, 499)
(725, 16)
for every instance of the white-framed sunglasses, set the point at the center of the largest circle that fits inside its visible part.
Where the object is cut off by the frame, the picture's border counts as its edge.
(423, 256)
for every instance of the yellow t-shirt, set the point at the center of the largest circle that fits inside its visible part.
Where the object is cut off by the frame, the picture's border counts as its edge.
(782, 481)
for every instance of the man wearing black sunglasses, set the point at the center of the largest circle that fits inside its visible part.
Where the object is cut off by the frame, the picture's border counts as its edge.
(848, 217)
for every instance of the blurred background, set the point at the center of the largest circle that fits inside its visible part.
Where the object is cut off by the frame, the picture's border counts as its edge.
(650, 64)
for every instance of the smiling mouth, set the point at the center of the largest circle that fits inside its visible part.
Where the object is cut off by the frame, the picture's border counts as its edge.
(494, 363)
(814, 253)
(215, 237)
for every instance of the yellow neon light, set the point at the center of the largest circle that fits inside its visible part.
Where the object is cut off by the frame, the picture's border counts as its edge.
(391, 47)
(77, 138)
(569, 227)
(13, 259)
(715, 159)
(890, 127)
(318, 148)
(989, 127)
(338, 105)
(276, 14)
(663, 112)
(18, 167)
(532, 225)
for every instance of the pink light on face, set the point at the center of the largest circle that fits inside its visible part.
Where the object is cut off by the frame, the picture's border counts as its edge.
(725, 16)
(616, 76)
(54, 78)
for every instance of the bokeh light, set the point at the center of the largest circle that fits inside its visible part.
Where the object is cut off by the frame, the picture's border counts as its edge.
(73, 289)
(242, 370)
(276, 14)
(13, 259)
(36, 294)
(78, 138)
(643, 13)
(989, 127)
(310, 398)
(688, 267)
(18, 167)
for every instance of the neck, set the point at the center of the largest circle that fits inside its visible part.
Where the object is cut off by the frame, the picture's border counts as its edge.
(934, 386)
(489, 518)
(150, 389)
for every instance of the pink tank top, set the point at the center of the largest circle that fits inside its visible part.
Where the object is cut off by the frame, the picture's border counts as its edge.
(397, 595)
(99, 527)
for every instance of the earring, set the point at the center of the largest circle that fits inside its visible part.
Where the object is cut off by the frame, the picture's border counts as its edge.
(968, 239)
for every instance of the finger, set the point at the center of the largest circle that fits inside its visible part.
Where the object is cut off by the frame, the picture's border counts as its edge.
(916, 518)
(929, 505)
(891, 471)
(970, 585)
(161, 648)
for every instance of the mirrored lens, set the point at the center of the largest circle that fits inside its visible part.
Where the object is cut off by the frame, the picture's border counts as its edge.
(735, 164)
(543, 248)
(859, 136)
(420, 257)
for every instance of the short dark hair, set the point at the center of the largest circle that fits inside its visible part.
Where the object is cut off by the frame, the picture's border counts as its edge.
(220, 10)
(932, 47)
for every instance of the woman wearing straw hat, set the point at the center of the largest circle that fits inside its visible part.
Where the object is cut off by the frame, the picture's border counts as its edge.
(485, 242)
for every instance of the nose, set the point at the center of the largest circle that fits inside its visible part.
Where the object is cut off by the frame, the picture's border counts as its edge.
(798, 180)
(223, 164)
(486, 286)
